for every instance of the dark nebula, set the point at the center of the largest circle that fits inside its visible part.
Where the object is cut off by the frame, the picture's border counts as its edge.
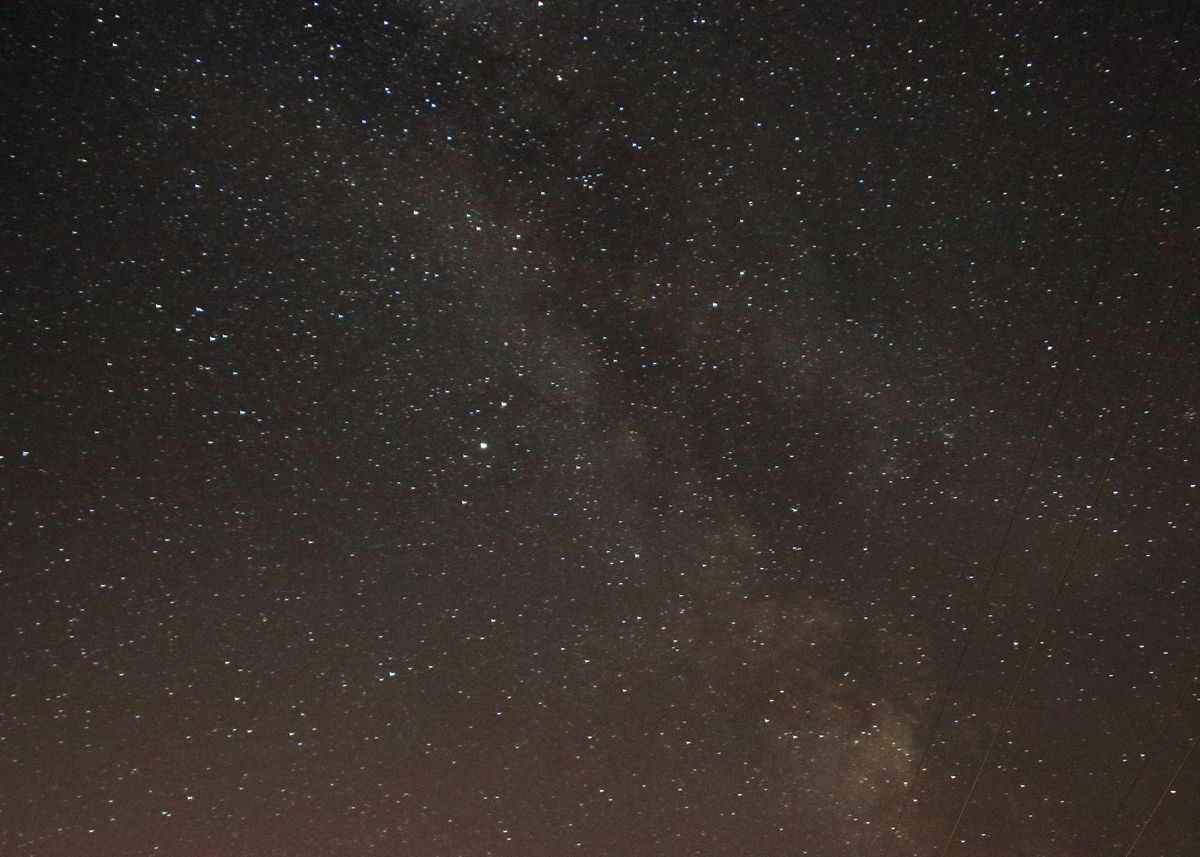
(646, 429)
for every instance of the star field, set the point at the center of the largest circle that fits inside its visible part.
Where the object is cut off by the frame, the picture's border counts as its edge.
(647, 429)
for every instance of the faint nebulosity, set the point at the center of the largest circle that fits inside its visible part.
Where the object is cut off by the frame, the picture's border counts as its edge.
(482, 427)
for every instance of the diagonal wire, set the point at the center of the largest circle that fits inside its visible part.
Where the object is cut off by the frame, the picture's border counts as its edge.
(1038, 639)
(1027, 476)
(1166, 790)
(1145, 763)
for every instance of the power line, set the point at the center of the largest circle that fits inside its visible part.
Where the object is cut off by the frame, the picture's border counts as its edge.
(1145, 763)
(1158, 803)
(1043, 432)
(1062, 578)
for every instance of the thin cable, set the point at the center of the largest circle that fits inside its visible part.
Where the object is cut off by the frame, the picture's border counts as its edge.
(1166, 790)
(962, 652)
(1027, 476)
(1091, 508)
(1145, 763)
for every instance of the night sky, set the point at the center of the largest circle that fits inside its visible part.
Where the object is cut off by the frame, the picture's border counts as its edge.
(646, 429)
